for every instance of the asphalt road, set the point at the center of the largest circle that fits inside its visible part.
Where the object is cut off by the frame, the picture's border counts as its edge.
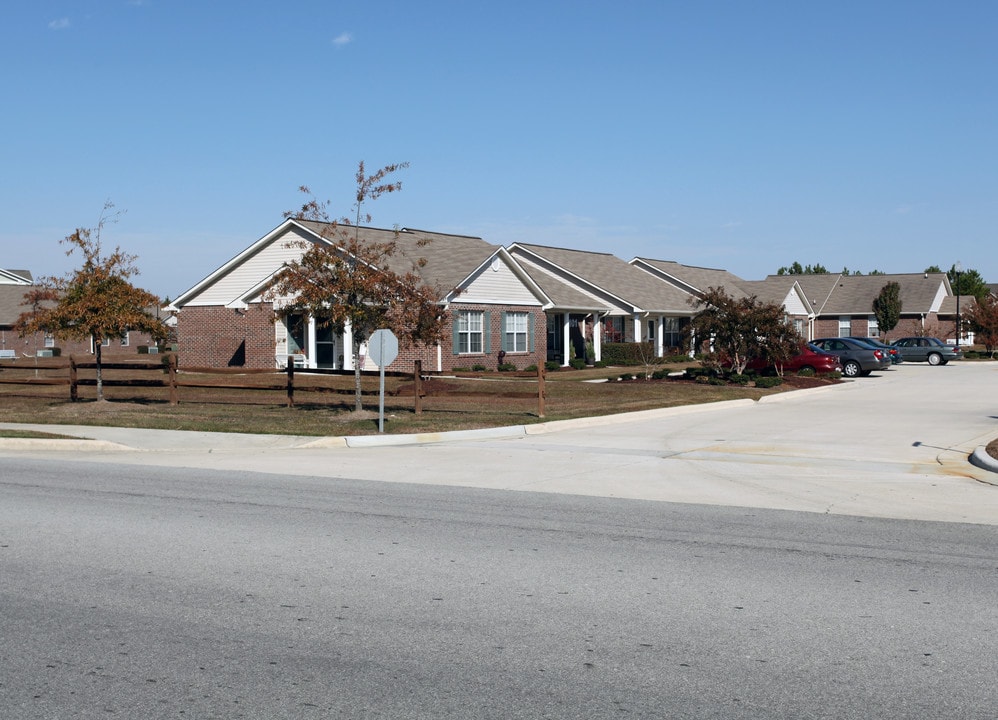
(141, 591)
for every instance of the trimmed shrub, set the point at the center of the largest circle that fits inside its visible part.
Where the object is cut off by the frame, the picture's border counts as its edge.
(478, 367)
(768, 382)
(530, 368)
(577, 363)
(738, 379)
(552, 365)
(627, 353)
(506, 367)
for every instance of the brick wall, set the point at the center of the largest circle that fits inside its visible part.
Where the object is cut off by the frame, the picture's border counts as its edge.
(908, 325)
(496, 330)
(216, 336)
(31, 344)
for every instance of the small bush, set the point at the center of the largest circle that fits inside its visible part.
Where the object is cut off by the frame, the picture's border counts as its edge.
(600, 364)
(806, 372)
(552, 365)
(577, 363)
(478, 367)
(768, 382)
(506, 367)
(626, 376)
(530, 368)
(460, 369)
(738, 379)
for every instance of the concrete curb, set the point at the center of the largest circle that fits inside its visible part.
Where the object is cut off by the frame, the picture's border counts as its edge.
(981, 459)
(64, 445)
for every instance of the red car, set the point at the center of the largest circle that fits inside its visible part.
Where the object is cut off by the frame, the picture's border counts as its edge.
(808, 358)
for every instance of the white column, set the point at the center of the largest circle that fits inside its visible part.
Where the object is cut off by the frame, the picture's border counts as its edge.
(660, 337)
(310, 343)
(597, 337)
(566, 341)
(638, 330)
(347, 346)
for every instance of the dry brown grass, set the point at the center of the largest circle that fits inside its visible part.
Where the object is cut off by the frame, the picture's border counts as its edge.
(326, 408)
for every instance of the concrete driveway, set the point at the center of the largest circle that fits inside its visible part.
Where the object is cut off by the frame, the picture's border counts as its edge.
(895, 444)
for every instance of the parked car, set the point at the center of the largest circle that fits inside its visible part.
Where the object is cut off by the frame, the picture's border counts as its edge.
(894, 353)
(927, 349)
(807, 357)
(857, 358)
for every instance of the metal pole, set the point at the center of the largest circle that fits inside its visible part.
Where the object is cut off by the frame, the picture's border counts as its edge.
(959, 269)
(381, 391)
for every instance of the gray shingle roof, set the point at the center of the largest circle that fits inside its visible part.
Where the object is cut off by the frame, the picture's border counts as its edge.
(449, 258)
(699, 279)
(854, 294)
(616, 277)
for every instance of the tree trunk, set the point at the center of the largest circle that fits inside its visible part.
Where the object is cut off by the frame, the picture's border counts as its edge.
(358, 404)
(100, 380)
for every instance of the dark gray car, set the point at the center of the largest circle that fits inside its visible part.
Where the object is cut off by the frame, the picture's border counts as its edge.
(858, 358)
(927, 349)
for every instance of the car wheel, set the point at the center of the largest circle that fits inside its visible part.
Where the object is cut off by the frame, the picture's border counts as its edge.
(807, 369)
(935, 359)
(851, 368)
(944, 362)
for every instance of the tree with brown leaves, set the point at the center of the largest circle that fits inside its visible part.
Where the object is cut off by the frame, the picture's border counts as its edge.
(348, 281)
(96, 301)
(982, 318)
(741, 329)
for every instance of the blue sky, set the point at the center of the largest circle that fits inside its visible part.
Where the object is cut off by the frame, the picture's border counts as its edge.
(736, 135)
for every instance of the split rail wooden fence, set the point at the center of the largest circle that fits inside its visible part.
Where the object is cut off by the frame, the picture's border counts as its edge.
(49, 375)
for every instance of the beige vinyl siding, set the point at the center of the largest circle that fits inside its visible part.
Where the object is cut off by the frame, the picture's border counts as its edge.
(499, 286)
(263, 263)
(793, 304)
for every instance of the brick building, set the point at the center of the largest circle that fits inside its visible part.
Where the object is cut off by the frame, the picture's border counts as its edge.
(231, 318)
(14, 285)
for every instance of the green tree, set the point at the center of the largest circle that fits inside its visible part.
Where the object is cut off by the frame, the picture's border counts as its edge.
(96, 301)
(742, 329)
(887, 307)
(967, 282)
(982, 318)
(797, 269)
(350, 281)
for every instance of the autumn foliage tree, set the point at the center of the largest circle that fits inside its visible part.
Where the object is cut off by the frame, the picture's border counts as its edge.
(982, 318)
(94, 302)
(741, 329)
(348, 281)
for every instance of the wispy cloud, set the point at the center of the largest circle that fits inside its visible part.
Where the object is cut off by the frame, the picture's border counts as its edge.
(343, 38)
(732, 224)
(59, 24)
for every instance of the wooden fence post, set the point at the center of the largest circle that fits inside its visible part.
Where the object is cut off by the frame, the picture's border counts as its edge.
(291, 382)
(74, 394)
(418, 385)
(171, 365)
(540, 389)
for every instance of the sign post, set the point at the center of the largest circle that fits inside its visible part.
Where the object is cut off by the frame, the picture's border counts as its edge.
(383, 347)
